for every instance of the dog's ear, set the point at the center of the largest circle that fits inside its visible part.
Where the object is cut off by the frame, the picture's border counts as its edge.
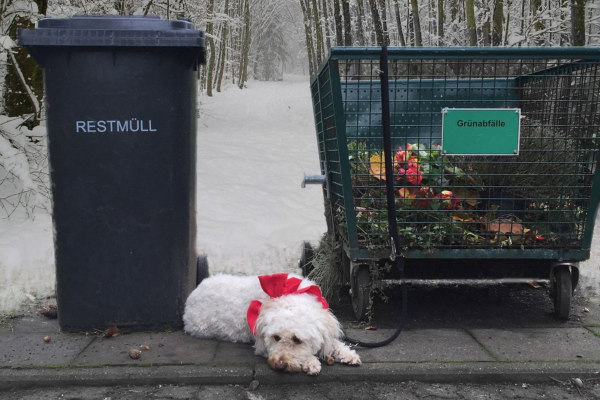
(331, 331)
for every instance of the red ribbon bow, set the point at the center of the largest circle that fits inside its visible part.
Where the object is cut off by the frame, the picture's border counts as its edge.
(278, 285)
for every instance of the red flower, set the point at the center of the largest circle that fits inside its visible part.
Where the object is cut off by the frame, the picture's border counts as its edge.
(414, 176)
(400, 156)
(413, 162)
(425, 194)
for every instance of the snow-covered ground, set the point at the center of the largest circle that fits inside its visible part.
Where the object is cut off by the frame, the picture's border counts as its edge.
(26, 259)
(253, 147)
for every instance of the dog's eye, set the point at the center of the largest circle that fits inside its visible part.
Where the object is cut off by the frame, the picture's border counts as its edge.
(277, 338)
(296, 340)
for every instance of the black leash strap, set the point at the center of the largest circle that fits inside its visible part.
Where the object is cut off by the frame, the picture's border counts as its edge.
(398, 259)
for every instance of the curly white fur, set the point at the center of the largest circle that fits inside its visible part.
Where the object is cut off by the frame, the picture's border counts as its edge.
(290, 331)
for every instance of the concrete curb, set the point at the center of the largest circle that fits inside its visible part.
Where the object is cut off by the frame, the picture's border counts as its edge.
(480, 372)
(114, 376)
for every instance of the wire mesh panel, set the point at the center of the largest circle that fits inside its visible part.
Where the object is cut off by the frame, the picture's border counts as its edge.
(540, 198)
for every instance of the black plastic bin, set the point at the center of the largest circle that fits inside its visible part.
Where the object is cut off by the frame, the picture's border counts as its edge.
(121, 116)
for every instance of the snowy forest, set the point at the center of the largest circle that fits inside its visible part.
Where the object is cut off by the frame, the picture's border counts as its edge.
(262, 40)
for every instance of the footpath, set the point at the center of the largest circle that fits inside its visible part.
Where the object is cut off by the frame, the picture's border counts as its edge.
(535, 354)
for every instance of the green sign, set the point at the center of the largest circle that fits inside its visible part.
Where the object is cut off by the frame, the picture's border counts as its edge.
(481, 131)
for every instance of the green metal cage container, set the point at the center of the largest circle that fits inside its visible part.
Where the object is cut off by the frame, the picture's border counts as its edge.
(495, 162)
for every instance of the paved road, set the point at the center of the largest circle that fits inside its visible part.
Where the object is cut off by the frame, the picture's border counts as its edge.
(334, 391)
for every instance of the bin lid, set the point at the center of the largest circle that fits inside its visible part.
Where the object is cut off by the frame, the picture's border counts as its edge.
(112, 31)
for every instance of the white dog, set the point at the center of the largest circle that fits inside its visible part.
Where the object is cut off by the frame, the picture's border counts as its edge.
(291, 324)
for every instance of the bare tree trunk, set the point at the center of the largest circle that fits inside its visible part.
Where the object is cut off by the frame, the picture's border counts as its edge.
(309, 44)
(327, 30)
(386, 36)
(486, 32)
(578, 22)
(432, 28)
(337, 15)
(319, 32)
(223, 48)
(590, 18)
(360, 31)
(409, 25)
(470, 9)
(441, 21)
(399, 23)
(564, 37)
(416, 23)
(347, 23)
(211, 47)
(522, 20)
(376, 22)
(498, 19)
(454, 5)
(243, 75)
(505, 42)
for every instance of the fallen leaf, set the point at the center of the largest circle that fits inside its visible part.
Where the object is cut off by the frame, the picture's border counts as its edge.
(47, 339)
(462, 217)
(145, 347)
(407, 193)
(51, 311)
(370, 328)
(468, 196)
(586, 310)
(377, 166)
(533, 284)
(111, 331)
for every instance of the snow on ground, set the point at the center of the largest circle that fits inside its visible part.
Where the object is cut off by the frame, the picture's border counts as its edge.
(253, 147)
(26, 259)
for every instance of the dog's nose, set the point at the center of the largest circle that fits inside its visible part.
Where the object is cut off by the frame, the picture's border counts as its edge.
(280, 365)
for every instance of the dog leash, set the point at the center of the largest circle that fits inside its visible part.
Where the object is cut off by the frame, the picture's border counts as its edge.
(397, 259)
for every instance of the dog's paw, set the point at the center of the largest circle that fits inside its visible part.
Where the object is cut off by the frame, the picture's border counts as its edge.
(312, 367)
(349, 357)
(293, 367)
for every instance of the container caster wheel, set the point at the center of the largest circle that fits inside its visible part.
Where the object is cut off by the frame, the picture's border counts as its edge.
(201, 268)
(360, 291)
(562, 290)
(305, 261)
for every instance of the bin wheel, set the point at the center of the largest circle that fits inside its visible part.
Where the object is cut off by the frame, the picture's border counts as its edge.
(305, 261)
(360, 291)
(563, 291)
(201, 268)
